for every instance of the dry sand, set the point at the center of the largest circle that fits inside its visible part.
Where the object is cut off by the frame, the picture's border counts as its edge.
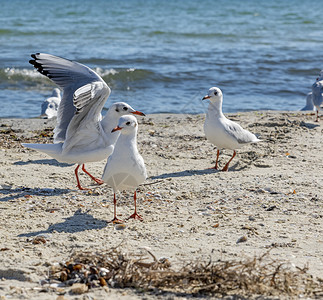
(272, 195)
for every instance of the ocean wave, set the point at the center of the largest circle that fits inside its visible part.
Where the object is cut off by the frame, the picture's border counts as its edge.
(130, 74)
(9, 76)
(191, 34)
(6, 31)
(14, 75)
(16, 32)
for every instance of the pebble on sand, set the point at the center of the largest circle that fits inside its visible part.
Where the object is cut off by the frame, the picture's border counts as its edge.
(242, 239)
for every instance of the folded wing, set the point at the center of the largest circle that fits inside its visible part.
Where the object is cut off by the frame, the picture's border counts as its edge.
(241, 135)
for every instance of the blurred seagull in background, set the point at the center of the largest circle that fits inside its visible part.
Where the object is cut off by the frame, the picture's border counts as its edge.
(222, 132)
(81, 134)
(309, 97)
(50, 105)
(320, 77)
(317, 97)
(309, 103)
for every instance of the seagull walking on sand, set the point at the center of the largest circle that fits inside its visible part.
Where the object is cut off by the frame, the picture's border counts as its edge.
(50, 105)
(222, 132)
(125, 168)
(317, 96)
(81, 134)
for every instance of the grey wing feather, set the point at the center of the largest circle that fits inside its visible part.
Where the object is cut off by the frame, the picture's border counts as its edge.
(82, 97)
(69, 76)
(241, 135)
(88, 101)
(65, 113)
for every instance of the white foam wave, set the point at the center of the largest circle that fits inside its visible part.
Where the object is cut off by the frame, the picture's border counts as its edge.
(12, 72)
(107, 72)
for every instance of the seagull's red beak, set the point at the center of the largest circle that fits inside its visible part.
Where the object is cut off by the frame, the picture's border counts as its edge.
(206, 97)
(139, 113)
(116, 128)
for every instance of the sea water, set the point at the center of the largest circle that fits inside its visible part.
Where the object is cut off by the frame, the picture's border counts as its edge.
(163, 56)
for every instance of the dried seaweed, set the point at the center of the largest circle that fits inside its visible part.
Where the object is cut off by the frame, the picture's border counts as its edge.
(258, 276)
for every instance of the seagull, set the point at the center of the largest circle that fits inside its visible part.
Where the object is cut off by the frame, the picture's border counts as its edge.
(81, 134)
(309, 97)
(50, 105)
(309, 102)
(317, 97)
(222, 132)
(125, 168)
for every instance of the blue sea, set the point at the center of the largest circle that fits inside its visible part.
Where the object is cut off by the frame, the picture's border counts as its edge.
(163, 56)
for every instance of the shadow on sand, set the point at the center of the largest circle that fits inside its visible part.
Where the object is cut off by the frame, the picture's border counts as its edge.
(13, 194)
(80, 221)
(52, 162)
(185, 173)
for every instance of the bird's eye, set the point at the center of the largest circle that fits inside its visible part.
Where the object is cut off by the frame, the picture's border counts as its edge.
(128, 123)
(51, 105)
(215, 93)
(125, 108)
(117, 110)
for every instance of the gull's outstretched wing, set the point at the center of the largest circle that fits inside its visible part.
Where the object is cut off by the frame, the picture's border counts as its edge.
(84, 91)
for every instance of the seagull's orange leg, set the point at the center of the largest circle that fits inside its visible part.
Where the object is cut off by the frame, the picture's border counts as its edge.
(77, 178)
(135, 215)
(227, 165)
(115, 219)
(97, 180)
(217, 160)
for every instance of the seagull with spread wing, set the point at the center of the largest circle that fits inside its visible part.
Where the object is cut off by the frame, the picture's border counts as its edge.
(81, 134)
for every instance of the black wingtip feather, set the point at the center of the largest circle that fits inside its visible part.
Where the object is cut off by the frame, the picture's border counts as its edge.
(37, 65)
(39, 68)
(33, 56)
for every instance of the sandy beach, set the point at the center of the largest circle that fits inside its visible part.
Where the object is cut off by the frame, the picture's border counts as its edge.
(271, 198)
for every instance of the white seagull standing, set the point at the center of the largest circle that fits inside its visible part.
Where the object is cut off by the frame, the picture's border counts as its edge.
(81, 134)
(125, 168)
(50, 105)
(222, 132)
(317, 96)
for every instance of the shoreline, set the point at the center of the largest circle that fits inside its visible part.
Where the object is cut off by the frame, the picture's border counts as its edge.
(270, 196)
